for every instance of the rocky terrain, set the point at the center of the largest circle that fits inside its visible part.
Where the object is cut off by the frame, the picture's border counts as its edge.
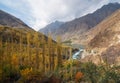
(105, 39)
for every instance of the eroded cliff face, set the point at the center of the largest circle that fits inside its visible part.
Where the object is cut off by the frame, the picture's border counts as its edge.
(106, 40)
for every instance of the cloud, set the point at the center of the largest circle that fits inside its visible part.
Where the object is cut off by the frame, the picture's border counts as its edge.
(38, 13)
(18, 9)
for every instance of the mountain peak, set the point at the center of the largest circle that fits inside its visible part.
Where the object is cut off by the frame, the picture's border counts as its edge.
(51, 27)
(56, 21)
(115, 3)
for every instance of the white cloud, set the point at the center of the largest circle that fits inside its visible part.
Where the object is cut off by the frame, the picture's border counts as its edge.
(38, 13)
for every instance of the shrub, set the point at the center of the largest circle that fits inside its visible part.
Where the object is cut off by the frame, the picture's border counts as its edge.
(26, 72)
(110, 77)
(10, 73)
(78, 76)
(90, 71)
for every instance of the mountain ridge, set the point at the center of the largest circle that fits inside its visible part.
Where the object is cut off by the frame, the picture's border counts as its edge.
(105, 40)
(9, 20)
(73, 30)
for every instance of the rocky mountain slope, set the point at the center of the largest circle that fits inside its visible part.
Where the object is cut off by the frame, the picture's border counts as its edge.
(105, 38)
(76, 30)
(10, 21)
(107, 32)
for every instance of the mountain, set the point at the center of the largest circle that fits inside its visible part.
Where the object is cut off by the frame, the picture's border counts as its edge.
(12, 28)
(73, 30)
(106, 39)
(11, 21)
(51, 28)
(107, 32)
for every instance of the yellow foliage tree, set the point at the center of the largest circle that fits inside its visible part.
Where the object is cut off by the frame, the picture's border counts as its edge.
(25, 73)
(14, 61)
(37, 45)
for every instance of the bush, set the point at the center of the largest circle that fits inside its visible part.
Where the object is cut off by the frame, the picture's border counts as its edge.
(10, 73)
(78, 76)
(90, 71)
(110, 77)
(26, 72)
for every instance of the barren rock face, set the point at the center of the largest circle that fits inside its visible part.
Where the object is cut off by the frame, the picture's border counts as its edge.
(112, 54)
(107, 32)
(91, 58)
(106, 39)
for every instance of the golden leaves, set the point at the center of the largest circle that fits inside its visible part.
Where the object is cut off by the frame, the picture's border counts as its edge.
(14, 60)
(26, 72)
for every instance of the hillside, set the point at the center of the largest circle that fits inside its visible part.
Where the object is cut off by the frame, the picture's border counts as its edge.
(11, 21)
(73, 30)
(13, 35)
(107, 32)
(23, 52)
(105, 39)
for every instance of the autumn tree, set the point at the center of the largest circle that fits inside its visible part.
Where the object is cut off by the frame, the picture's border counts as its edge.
(28, 47)
(50, 51)
(59, 49)
(43, 52)
(14, 61)
(36, 43)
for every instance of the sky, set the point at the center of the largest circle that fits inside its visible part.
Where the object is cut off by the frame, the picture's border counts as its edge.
(38, 13)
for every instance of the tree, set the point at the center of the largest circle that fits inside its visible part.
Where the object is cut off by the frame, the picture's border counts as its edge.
(14, 61)
(59, 49)
(50, 51)
(43, 52)
(37, 44)
(28, 47)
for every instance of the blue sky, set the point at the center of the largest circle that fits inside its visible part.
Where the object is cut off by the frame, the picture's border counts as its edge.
(39, 13)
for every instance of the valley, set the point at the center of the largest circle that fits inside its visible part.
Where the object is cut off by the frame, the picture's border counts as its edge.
(83, 50)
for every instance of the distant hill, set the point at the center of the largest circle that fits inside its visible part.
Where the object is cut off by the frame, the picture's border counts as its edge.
(73, 30)
(51, 28)
(9, 20)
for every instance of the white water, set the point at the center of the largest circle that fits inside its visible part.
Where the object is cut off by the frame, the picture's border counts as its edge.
(77, 54)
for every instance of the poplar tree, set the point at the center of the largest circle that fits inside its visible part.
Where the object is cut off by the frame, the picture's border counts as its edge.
(21, 49)
(59, 53)
(36, 43)
(50, 50)
(28, 48)
(43, 52)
